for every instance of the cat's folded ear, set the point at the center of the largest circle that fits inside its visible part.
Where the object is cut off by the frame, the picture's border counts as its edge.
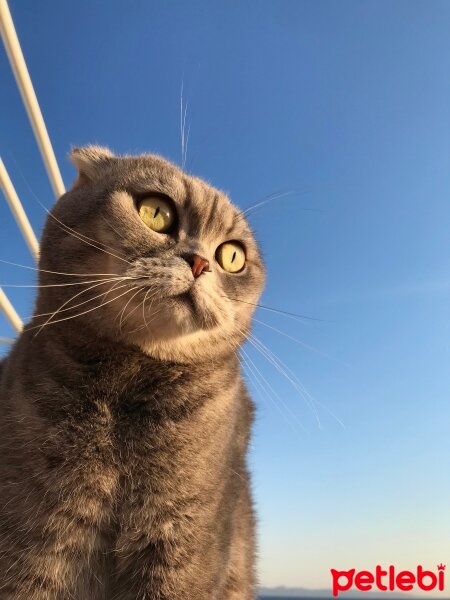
(91, 162)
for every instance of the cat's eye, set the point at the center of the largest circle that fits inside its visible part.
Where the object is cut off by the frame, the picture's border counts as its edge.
(157, 213)
(231, 257)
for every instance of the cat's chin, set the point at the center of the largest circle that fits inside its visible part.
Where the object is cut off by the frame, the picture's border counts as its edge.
(191, 347)
(171, 319)
(202, 315)
(186, 327)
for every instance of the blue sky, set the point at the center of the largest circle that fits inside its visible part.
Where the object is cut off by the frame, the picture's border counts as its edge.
(346, 105)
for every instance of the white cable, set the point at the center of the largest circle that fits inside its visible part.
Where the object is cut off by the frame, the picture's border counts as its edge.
(10, 312)
(4, 340)
(18, 211)
(23, 80)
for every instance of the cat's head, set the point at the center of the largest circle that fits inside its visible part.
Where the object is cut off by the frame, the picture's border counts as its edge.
(159, 258)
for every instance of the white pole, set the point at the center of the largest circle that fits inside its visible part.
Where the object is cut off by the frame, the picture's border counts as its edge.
(23, 80)
(18, 211)
(9, 310)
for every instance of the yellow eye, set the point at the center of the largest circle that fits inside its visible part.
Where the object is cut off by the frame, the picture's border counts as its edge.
(231, 257)
(157, 213)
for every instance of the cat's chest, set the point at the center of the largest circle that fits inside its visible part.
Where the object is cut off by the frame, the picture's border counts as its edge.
(160, 422)
(141, 451)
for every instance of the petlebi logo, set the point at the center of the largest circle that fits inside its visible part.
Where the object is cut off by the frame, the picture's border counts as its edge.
(389, 580)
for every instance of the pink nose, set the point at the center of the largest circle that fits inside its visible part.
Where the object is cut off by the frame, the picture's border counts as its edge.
(198, 265)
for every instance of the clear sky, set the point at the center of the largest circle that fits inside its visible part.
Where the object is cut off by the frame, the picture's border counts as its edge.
(347, 106)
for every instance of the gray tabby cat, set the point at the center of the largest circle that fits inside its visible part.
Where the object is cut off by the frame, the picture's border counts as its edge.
(124, 418)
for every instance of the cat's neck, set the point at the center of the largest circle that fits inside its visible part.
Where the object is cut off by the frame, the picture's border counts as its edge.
(122, 374)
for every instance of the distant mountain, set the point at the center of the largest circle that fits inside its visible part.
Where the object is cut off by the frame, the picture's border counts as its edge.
(284, 592)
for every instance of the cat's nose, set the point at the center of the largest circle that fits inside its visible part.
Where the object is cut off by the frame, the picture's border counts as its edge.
(198, 264)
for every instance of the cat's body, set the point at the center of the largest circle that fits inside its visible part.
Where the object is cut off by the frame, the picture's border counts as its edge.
(122, 446)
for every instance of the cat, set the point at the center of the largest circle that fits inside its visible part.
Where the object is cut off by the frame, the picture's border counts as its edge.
(124, 418)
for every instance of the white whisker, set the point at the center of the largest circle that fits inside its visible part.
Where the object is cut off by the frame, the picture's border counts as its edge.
(284, 370)
(67, 228)
(61, 309)
(125, 307)
(297, 341)
(299, 385)
(251, 365)
(6, 262)
(182, 123)
(86, 311)
(80, 236)
(52, 285)
(268, 199)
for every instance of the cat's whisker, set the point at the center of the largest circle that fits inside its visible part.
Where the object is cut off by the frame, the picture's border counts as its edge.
(79, 237)
(119, 235)
(267, 200)
(140, 328)
(76, 233)
(286, 372)
(38, 269)
(121, 320)
(144, 318)
(271, 198)
(264, 394)
(184, 137)
(297, 341)
(84, 312)
(153, 315)
(52, 285)
(182, 122)
(252, 366)
(283, 369)
(114, 287)
(277, 310)
(61, 309)
(67, 228)
(147, 324)
(152, 297)
(187, 144)
(292, 377)
(143, 308)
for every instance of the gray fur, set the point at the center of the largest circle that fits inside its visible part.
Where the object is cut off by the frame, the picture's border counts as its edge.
(123, 430)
